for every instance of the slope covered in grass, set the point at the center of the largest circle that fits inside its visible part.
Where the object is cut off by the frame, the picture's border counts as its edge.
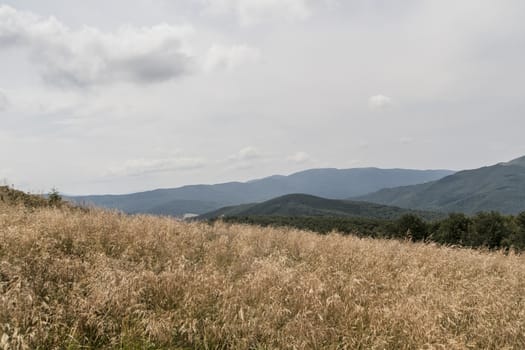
(73, 279)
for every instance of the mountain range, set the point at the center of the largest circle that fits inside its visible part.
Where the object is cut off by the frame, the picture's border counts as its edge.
(500, 187)
(308, 205)
(200, 199)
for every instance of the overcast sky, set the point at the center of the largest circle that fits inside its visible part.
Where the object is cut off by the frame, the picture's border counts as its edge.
(119, 96)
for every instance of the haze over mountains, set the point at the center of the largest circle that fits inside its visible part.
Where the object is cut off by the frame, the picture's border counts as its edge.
(499, 187)
(327, 183)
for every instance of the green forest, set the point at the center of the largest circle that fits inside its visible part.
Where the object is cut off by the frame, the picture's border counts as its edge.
(485, 229)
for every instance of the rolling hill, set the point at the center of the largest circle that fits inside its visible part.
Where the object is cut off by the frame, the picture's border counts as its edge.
(199, 199)
(499, 187)
(73, 279)
(307, 205)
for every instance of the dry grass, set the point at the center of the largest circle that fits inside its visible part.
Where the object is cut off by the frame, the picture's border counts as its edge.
(11, 196)
(74, 280)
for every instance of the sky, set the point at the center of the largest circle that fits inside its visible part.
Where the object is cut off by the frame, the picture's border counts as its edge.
(125, 96)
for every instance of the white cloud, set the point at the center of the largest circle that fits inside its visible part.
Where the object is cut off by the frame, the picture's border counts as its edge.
(251, 12)
(137, 167)
(363, 144)
(379, 102)
(406, 140)
(89, 56)
(4, 102)
(300, 157)
(229, 57)
(246, 154)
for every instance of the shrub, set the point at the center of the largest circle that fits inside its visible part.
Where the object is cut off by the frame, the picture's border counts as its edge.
(54, 197)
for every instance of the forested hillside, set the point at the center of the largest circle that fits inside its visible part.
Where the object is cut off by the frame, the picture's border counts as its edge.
(500, 187)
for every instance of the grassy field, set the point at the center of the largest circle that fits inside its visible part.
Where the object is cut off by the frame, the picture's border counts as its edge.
(79, 280)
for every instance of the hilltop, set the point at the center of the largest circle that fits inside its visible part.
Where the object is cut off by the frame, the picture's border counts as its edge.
(12, 196)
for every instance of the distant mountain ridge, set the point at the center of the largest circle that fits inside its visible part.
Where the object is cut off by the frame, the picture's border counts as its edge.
(326, 183)
(295, 205)
(500, 187)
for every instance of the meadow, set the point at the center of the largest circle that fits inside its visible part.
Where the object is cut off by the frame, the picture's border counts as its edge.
(90, 279)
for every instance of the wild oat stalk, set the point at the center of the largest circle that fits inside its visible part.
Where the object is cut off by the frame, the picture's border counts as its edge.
(95, 279)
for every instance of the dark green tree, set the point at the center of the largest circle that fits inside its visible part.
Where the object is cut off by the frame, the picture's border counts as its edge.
(54, 198)
(517, 236)
(488, 230)
(412, 226)
(453, 230)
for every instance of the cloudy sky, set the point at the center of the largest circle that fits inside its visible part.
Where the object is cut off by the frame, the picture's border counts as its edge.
(120, 96)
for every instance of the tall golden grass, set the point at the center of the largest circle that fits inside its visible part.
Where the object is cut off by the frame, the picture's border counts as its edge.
(81, 280)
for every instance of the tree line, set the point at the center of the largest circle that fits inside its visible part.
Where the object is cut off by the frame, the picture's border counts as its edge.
(485, 229)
